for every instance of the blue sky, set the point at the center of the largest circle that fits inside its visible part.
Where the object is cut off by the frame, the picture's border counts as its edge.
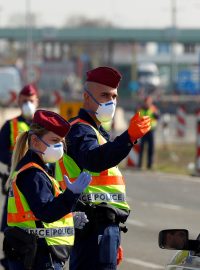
(124, 13)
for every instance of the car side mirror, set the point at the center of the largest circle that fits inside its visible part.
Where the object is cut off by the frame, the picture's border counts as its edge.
(176, 239)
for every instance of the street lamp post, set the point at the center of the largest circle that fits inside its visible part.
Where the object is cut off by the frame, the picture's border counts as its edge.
(29, 43)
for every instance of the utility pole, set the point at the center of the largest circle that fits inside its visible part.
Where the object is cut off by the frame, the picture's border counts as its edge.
(173, 43)
(29, 43)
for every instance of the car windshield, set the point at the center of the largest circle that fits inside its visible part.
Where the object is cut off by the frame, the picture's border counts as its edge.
(146, 73)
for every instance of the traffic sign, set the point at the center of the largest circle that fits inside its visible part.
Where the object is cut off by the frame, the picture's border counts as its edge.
(186, 82)
(70, 109)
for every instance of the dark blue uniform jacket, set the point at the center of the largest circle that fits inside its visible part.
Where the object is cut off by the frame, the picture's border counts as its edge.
(38, 191)
(83, 147)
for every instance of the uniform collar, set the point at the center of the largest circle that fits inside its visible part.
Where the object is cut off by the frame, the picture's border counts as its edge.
(84, 115)
(31, 156)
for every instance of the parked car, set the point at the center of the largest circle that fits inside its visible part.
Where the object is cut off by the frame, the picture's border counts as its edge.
(188, 255)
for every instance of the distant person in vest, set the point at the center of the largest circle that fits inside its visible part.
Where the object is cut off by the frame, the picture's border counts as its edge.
(36, 205)
(27, 102)
(97, 246)
(149, 109)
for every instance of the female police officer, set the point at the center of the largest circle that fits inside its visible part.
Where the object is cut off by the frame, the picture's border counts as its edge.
(36, 206)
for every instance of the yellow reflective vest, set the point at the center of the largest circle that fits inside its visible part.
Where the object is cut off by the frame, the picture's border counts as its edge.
(150, 112)
(58, 234)
(107, 186)
(16, 127)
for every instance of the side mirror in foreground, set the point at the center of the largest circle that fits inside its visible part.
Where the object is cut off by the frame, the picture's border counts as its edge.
(176, 239)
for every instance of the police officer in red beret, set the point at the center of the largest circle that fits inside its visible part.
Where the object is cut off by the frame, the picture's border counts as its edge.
(97, 246)
(37, 208)
(28, 102)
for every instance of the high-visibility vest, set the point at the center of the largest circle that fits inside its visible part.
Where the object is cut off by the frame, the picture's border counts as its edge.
(58, 234)
(150, 112)
(16, 127)
(107, 186)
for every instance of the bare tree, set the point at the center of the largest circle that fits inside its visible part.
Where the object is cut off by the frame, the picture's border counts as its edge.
(81, 20)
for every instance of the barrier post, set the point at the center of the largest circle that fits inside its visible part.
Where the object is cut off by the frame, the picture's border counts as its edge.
(133, 157)
(197, 162)
(181, 121)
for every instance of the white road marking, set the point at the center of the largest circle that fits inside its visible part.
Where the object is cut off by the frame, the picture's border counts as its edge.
(135, 222)
(147, 265)
(167, 206)
(163, 205)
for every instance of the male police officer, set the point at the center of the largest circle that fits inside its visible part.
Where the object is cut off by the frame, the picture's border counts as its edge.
(28, 102)
(89, 148)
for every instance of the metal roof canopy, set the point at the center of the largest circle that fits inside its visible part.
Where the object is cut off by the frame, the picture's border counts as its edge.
(102, 34)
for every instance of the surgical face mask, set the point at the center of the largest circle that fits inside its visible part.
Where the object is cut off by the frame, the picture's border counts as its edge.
(28, 110)
(106, 111)
(53, 152)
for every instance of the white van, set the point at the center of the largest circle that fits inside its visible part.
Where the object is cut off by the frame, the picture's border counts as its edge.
(10, 81)
(148, 75)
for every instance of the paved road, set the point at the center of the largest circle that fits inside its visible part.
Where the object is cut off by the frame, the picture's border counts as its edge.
(158, 201)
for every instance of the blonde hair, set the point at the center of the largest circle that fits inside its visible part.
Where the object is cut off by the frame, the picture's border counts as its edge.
(21, 147)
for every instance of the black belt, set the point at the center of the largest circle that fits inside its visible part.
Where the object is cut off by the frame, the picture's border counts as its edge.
(102, 213)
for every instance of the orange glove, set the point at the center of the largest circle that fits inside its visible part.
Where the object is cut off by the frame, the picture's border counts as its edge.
(120, 255)
(138, 126)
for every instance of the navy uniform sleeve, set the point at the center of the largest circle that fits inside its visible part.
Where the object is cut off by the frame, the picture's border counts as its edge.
(5, 154)
(83, 147)
(38, 191)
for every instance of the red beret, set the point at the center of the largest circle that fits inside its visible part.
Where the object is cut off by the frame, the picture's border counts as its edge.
(104, 75)
(29, 90)
(51, 121)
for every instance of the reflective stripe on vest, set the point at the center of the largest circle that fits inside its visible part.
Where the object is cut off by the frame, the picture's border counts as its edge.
(16, 127)
(58, 233)
(106, 186)
(51, 232)
(103, 197)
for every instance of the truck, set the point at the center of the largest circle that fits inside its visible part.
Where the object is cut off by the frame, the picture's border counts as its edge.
(148, 76)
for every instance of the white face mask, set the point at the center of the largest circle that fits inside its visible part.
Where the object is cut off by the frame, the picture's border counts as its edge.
(28, 110)
(53, 152)
(106, 111)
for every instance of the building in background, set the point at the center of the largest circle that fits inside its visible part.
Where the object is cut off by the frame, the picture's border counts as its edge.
(60, 57)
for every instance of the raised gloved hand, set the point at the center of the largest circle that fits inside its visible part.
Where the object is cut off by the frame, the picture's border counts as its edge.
(79, 184)
(139, 126)
(80, 219)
